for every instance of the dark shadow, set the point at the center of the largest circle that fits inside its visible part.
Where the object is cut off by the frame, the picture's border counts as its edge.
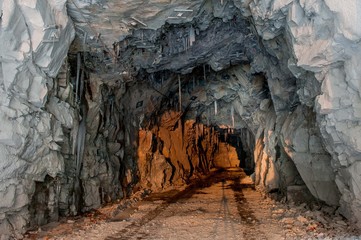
(243, 141)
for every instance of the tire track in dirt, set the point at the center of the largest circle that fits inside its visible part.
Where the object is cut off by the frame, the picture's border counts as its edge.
(245, 211)
(134, 228)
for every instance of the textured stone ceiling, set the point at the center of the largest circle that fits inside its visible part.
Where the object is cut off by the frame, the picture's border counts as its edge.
(114, 19)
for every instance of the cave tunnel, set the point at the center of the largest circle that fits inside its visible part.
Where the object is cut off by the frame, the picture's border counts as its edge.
(107, 104)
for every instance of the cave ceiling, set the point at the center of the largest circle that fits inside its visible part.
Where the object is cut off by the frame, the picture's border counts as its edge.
(157, 43)
(114, 20)
(167, 35)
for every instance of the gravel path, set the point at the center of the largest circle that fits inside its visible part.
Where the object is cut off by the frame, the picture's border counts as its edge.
(224, 205)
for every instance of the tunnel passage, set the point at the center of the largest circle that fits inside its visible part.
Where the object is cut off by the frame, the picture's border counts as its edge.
(193, 122)
(143, 112)
(180, 94)
(242, 140)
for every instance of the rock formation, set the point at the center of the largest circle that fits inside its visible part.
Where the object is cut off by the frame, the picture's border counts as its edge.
(35, 38)
(148, 100)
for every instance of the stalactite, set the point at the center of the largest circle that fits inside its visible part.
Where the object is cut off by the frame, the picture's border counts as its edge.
(79, 158)
(208, 116)
(84, 44)
(192, 36)
(215, 107)
(78, 67)
(180, 125)
(204, 73)
(197, 133)
(232, 116)
(180, 93)
(81, 87)
(209, 135)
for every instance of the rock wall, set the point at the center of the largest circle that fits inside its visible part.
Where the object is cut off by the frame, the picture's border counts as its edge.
(61, 138)
(105, 175)
(175, 152)
(226, 156)
(322, 37)
(35, 36)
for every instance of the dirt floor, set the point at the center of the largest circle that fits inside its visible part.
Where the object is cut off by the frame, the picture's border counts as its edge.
(224, 205)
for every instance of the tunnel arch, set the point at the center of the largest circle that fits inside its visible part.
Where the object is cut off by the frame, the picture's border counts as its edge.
(231, 66)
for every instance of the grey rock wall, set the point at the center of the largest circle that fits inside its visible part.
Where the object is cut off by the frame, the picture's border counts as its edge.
(35, 36)
(323, 40)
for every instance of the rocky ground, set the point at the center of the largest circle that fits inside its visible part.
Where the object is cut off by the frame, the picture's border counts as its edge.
(224, 205)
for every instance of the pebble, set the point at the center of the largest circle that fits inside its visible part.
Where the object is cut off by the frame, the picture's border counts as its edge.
(279, 211)
(288, 220)
(320, 235)
(302, 219)
(340, 222)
